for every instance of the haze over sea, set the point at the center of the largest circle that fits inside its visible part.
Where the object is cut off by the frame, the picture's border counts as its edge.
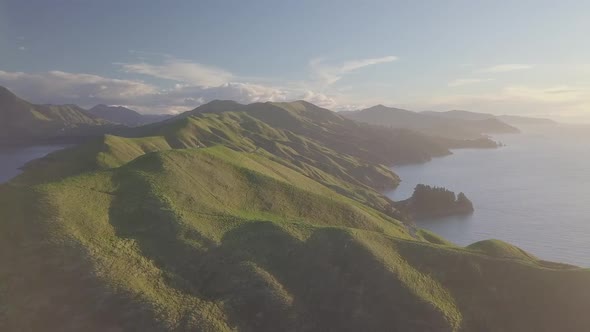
(534, 193)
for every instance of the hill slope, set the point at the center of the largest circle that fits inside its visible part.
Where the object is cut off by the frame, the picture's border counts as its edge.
(253, 218)
(342, 154)
(21, 120)
(213, 240)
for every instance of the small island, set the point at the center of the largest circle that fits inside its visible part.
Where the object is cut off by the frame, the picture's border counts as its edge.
(432, 202)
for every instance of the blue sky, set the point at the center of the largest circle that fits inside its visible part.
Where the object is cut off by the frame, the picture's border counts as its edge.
(520, 57)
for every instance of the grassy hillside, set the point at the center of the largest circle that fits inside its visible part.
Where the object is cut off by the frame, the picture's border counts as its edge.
(253, 218)
(344, 155)
(370, 143)
(214, 239)
(21, 120)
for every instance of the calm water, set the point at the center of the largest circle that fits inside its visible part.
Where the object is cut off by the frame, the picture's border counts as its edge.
(11, 159)
(534, 193)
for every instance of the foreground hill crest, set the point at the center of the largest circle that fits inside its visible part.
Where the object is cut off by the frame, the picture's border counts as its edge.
(260, 217)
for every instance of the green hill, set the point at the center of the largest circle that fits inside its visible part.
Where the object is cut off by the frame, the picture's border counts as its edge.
(21, 121)
(253, 218)
(344, 155)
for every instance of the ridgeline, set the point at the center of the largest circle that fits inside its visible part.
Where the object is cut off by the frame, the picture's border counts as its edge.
(261, 217)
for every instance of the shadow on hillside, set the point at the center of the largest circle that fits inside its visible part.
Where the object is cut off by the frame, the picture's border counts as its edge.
(49, 284)
(267, 279)
(490, 290)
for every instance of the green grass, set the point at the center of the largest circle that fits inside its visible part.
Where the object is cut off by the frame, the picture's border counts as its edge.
(501, 249)
(222, 222)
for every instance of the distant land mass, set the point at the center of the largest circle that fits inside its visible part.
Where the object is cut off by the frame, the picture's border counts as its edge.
(454, 124)
(126, 116)
(521, 120)
(443, 124)
(259, 217)
(22, 121)
(26, 123)
(513, 120)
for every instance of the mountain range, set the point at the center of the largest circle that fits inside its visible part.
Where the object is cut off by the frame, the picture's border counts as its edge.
(452, 124)
(24, 121)
(259, 217)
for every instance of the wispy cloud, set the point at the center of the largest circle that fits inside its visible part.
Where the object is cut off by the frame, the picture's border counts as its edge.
(87, 90)
(63, 87)
(331, 73)
(505, 68)
(195, 84)
(181, 71)
(467, 81)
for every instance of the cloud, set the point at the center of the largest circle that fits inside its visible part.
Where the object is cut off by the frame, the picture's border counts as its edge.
(505, 68)
(467, 81)
(22, 48)
(240, 92)
(61, 87)
(87, 90)
(195, 84)
(181, 71)
(329, 74)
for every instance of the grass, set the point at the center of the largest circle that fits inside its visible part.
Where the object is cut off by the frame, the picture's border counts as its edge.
(152, 233)
(501, 249)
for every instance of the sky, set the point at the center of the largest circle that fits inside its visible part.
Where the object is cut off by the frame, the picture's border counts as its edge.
(519, 57)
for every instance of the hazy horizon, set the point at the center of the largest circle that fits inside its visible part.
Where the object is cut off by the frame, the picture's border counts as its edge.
(238, 192)
(157, 58)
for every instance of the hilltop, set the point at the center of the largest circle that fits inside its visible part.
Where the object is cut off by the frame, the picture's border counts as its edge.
(350, 157)
(260, 217)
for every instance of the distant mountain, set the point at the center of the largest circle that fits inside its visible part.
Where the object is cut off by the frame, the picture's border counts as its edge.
(262, 217)
(524, 121)
(125, 116)
(513, 120)
(461, 115)
(295, 131)
(21, 121)
(454, 124)
(395, 117)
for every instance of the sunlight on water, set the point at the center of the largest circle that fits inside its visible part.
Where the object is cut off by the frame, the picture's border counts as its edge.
(534, 193)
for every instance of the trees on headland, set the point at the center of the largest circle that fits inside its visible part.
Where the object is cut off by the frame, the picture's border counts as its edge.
(429, 201)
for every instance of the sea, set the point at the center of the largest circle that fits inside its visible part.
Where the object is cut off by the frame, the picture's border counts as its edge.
(13, 158)
(534, 192)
